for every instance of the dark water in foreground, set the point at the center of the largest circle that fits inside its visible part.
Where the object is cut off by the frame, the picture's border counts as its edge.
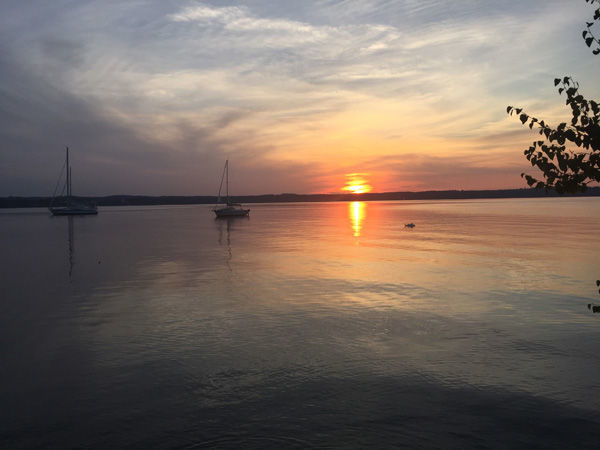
(306, 325)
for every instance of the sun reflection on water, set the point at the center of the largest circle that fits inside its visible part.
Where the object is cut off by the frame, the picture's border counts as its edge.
(357, 212)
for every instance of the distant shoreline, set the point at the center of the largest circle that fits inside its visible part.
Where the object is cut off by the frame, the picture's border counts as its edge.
(132, 200)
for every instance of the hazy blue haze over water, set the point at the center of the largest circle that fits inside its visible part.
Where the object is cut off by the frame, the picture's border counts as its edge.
(304, 325)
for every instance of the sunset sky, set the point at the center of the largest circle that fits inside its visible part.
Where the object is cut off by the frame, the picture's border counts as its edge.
(153, 96)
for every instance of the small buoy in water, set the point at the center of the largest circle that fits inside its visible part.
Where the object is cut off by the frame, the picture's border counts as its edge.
(409, 225)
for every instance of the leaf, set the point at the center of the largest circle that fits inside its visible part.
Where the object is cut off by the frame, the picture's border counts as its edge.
(589, 41)
(556, 81)
(523, 118)
(561, 163)
(596, 52)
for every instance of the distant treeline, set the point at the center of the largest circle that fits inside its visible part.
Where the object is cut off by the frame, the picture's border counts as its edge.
(131, 200)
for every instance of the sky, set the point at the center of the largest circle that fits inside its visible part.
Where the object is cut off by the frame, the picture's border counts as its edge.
(301, 96)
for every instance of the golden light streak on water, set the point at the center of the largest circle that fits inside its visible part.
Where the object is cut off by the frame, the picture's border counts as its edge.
(357, 212)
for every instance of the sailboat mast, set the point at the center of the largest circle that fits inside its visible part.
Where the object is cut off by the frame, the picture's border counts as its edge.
(227, 180)
(68, 175)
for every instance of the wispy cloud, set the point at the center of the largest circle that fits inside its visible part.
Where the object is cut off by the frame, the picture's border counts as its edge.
(156, 95)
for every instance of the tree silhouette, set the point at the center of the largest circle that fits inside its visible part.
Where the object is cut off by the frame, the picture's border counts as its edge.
(587, 34)
(565, 170)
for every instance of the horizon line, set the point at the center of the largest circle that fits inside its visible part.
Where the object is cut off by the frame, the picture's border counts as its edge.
(526, 188)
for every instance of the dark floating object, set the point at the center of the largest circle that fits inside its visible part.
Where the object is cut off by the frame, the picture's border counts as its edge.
(594, 308)
(409, 225)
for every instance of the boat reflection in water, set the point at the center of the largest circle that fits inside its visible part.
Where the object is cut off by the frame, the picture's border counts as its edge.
(357, 211)
(71, 245)
(226, 225)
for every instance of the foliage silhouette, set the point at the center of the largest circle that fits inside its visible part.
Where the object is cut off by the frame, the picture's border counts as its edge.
(564, 170)
(588, 35)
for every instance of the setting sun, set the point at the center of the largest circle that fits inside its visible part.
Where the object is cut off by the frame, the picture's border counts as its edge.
(357, 183)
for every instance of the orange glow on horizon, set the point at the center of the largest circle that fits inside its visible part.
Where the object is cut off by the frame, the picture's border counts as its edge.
(357, 183)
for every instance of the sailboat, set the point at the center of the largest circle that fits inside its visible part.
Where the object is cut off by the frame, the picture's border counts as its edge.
(230, 209)
(72, 208)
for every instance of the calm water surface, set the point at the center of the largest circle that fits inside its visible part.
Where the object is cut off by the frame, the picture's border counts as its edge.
(306, 325)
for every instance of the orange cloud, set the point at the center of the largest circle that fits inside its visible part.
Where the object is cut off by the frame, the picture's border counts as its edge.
(357, 183)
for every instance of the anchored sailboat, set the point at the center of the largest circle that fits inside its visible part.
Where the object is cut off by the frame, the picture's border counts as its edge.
(230, 209)
(71, 208)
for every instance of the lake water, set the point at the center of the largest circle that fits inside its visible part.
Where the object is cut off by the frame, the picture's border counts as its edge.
(305, 325)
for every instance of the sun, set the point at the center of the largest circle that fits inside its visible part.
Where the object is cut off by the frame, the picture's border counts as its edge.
(357, 183)
(356, 189)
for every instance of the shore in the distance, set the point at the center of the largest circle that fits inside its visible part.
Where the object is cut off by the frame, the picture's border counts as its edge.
(129, 200)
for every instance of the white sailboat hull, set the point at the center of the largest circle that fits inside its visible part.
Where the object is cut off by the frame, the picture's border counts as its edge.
(230, 211)
(73, 211)
(72, 208)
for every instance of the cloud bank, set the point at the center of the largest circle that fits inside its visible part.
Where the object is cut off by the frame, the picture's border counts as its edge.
(152, 97)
